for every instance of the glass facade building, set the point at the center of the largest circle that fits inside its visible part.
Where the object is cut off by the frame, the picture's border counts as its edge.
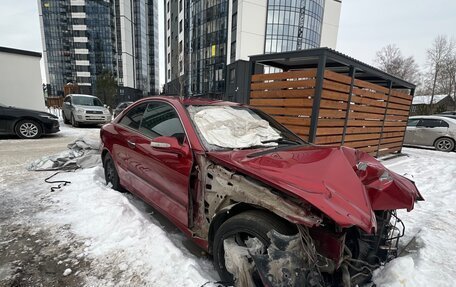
(293, 25)
(204, 37)
(78, 42)
(83, 38)
(208, 24)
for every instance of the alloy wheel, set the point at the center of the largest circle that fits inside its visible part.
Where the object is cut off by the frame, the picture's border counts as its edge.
(28, 130)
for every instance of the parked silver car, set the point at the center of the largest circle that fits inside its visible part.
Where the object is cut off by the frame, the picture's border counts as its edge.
(87, 109)
(436, 131)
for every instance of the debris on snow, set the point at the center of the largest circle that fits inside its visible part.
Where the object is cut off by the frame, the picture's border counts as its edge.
(67, 272)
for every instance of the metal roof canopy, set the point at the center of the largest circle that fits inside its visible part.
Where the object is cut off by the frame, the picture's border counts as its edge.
(331, 60)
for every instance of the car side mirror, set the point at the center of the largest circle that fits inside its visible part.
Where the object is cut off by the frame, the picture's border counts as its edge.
(170, 145)
(67, 103)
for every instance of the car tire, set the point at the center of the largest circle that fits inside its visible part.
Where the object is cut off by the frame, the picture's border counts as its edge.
(65, 120)
(444, 144)
(254, 223)
(28, 129)
(111, 175)
(74, 122)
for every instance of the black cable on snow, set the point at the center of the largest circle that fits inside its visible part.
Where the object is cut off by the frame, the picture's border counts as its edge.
(60, 183)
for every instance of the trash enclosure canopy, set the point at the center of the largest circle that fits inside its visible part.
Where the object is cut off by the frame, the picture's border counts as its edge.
(327, 97)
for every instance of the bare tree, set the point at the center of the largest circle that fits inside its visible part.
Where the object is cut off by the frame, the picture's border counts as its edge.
(390, 60)
(437, 56)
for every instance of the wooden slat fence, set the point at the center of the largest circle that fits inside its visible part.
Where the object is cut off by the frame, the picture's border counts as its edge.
(371, 118)
(54, 102)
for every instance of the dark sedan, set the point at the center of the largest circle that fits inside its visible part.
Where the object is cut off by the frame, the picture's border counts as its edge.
(27, 124)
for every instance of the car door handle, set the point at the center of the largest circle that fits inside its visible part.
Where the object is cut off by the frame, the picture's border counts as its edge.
(131, 144)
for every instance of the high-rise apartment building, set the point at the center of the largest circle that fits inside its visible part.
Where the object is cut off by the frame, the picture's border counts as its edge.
(203, 37)
(83, 38)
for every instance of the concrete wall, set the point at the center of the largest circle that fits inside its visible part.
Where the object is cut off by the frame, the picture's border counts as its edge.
(330, 27)
(20, 81)
(251, 28)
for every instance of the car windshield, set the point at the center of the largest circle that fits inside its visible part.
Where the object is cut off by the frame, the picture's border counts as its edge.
(86, 101)
(237, 127)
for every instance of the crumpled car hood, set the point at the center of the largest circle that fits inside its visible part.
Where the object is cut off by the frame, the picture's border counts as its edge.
(327, 178)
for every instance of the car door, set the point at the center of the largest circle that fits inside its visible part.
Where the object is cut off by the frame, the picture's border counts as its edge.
(160, 177)
(122, 148)
(410, 131)
(428, 130)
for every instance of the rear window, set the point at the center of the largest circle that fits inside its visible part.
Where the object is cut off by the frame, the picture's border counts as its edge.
(413, 122)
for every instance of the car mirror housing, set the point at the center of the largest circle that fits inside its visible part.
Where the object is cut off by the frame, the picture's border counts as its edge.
(170, 145)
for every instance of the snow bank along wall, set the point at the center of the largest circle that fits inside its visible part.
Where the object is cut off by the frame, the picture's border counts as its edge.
(20, 79)
(326, 107)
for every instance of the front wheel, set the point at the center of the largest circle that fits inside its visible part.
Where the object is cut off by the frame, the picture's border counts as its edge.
(28, 129)
(74, 122)
(245, 234)
(444, 144)
(65, 120)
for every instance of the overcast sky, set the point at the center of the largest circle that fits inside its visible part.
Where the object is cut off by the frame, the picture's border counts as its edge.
(365, 26)
(368, 25)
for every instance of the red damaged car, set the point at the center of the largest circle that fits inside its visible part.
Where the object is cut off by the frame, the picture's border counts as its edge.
(272, 209)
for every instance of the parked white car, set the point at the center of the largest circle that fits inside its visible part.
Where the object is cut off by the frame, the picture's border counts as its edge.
(84, 109)
(436, 131)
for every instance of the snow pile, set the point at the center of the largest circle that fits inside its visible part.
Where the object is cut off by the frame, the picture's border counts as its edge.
(430, 258)
(233, 128)
(122, 238)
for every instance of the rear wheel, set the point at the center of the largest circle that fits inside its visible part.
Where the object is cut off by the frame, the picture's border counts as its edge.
(111, 174)
(246, 230)
(444, 144)
(28, 129)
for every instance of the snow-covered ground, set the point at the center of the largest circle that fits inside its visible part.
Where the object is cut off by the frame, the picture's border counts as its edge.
(432, 222)
(114, 239)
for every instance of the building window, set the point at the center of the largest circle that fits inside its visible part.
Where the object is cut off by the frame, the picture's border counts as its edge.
(169, 41)
(180, 47)
(169, 74)
(234, 21)
(180, 66)
(180, 26)
(169, 58)
(167, 6)
(180, 5)
(232, 75)
(169, 24)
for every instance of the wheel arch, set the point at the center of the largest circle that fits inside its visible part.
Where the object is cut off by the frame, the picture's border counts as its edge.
(230, 211)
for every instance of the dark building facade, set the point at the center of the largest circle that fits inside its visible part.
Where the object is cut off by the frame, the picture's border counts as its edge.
(83, 38)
